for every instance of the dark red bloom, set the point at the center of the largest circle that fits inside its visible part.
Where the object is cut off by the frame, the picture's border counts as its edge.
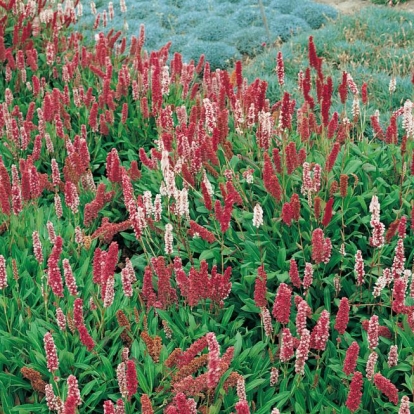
(330, 162)
(281, 307)
(295, 206)
(386, 387)
(85, 338)
(328, 212)
(196, 229)
(355, 392)
(131, 378)
(317, 245)
(351, 357)
(333, 125)
(260, 289)
(294, 274)
(343, 88)
(342, 317)
(364, 93)
(291, 157)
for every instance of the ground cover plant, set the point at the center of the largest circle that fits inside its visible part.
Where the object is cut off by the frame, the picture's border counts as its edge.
(222, 31)
(174, 241)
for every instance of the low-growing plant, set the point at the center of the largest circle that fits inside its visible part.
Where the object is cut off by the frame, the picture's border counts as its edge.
(315, 14)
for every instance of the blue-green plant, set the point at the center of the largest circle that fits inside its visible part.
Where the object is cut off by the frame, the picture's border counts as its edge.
(315, 14)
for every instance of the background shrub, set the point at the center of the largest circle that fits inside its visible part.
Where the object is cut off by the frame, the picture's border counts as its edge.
(315, 14)
(219, 54)
(216, 29)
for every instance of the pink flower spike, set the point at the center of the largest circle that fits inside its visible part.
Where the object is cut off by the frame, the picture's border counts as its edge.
(131, 378)
(73, 389)
(355, 394)
(213, 376)
(281, 307)
(37, 247)
(386, 387)
(280, 69)
(342, 317)
(69, 278)
(3, 274)
(51, 353)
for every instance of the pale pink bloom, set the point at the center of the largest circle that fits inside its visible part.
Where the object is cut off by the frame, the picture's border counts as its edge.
(51, 232)
(241, 390)
(397, 268)
(73, 389)
(210, 115)
(286, 348)
(302, 352)
(55, 172)
(61, 319)
(274, 376)
(3, 273)
(51, 353)
(109, 292)
(165, 81)
(157, 208)
(308, 276)
(69, 278)
(301, 315)
(213, 374)
(49, 144)
(393, 85)
(352, 85)
(58, 206)
(37, 247)
(121, 377)
(71, 196)
(126, 282)
(267, 321)
(405, 405)
(78, 235)
(370, 367)
(372, 332)
(52, 402)
(320, 332)
(393, 356)
(359, 268)
(257, 216)
(168, 238)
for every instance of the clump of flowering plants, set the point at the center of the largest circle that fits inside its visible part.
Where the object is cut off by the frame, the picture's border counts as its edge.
(174, 242)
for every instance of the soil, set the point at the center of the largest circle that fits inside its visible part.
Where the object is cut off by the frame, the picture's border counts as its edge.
(353, 6)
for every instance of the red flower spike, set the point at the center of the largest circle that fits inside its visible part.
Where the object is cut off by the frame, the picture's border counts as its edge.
(328, 212)
(355, 392)
(260, 289)
(287, 214)
(386, 387)
(342, 317)
(351, 357)
(131, 378)
(281, 307)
